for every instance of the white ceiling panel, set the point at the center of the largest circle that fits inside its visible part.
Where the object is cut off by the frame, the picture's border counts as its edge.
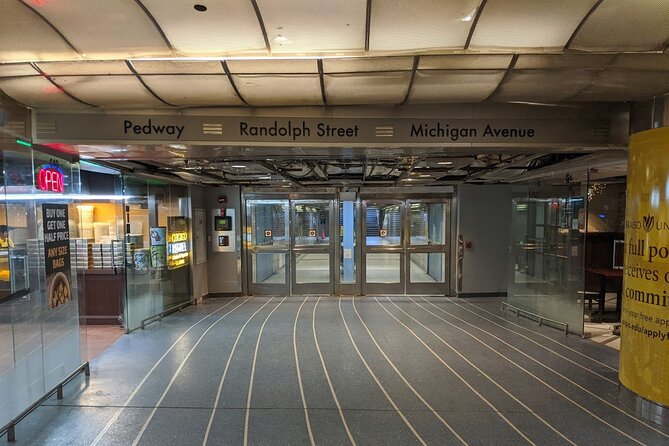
(625, 25)
(404, 25)
(103, 28)
(454, 86)
(298, 26)
(177, 67)
(368, 88)
(37, 91)
(17, 69)
(355, 65)
(208, 89)
(278, 66)
(227, 27)
(109, 91)
(280, 90)
(465, 62)
(84, 68)
(528, 24)
(543, 86)
(26, 37)
(626, 85)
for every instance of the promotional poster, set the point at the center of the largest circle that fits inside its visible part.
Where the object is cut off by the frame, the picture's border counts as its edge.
(57, 254)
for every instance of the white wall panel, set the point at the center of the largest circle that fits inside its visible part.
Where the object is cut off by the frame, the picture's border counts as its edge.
(368, 88)
(37, 91)
(279, 90)
(454, 86)
(208, 89)
(109, 91)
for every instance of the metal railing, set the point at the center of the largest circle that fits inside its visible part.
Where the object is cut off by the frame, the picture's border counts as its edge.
(530, 315)
(159, 316)
(9, 428)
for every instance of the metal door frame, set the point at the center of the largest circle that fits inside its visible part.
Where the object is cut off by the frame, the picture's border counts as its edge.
(312, 288)
(265, 289)
(349, 289)
(382, 288)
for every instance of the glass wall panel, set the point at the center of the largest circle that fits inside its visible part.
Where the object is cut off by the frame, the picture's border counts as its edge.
(269, 267)
(348, 221)
(383, 225)
(158, 248)
(39, 282)
(428, 223)
(427, 267)
(312, 267)
(547, 256)
(383, 268)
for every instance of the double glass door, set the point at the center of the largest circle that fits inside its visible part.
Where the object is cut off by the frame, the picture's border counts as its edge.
(406, 246)
(290, 247)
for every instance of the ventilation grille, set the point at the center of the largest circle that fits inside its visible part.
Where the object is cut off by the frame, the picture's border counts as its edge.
(384, 131)
(46, 128)
(212, 128)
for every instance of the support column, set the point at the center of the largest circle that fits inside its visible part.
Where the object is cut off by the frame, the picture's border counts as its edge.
(644, 349)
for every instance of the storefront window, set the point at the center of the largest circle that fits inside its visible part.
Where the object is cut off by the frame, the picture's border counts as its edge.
(158, 248)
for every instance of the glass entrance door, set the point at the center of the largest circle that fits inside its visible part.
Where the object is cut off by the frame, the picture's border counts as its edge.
(312, 258)
(268, 246)
(406, 246)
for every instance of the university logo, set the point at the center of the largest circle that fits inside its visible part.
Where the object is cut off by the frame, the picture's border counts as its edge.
(648, 221)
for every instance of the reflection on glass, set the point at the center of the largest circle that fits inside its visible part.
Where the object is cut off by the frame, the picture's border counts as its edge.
(347, 224)
(269, 268)
(427, 267)
(312, 223)
(428, 223)
(383, 225)
(312, 268)
(268, 220)
(383, 268)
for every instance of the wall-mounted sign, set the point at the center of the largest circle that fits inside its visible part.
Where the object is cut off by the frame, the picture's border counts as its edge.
(312, 233)
(383, 232)
(81, 128)
(178, 249)
(50, 178)
(57, 254)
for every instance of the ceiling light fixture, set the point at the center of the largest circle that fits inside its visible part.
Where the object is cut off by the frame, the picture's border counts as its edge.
(200, 8)
(238, 166)
(445, 163)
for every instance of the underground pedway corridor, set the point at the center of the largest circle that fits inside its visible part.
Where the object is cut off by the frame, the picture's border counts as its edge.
(363, 370)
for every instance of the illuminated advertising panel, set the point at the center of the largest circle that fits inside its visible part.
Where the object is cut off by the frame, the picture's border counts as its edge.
(178, 242)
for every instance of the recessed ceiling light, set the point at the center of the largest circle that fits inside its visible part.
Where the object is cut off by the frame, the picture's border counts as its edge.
(200, 8)
(425, 175)
(238, 166)
(445, 163)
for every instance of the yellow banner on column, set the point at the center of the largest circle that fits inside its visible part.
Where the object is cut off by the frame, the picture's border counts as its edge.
(644, 349)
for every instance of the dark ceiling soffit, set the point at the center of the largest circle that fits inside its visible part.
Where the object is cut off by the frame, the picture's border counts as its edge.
(52, 26)
(261, 23)
(156, 25)
(322, 81)
(70, 95)
(512, 64)
(580, 25)
(368, 23)
(479, 11)
(414, 68)
(141, 81)
(232, 81)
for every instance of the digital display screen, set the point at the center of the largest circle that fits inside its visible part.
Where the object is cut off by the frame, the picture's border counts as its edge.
(222, 223)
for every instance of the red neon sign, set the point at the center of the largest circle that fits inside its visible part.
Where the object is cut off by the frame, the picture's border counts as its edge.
(50, 178)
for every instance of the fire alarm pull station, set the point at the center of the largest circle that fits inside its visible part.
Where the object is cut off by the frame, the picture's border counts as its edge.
(223, 234)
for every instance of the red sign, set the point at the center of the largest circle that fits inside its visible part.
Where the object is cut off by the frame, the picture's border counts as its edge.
(50, 178)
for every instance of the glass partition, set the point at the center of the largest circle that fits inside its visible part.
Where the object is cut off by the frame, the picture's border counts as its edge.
(546, 274)
(158, 248)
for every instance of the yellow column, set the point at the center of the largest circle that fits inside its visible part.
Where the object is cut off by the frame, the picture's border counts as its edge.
(644, 349)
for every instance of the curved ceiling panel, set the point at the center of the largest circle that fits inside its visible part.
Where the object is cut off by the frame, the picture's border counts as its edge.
(528, 24)
(454, 86)
(616, 85)
(17, 69)
(465, 62)
(297, 26)
(274, 90)
(102, 28)
(84, 68)
(624, 25)
(404, 25)
(194, 90)
(37, 91)
(278, 66)
(24, 36)
(367, 88)
(226, 27)
(367, 64)
(109, 91)
(543, 85)
(177, 67)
